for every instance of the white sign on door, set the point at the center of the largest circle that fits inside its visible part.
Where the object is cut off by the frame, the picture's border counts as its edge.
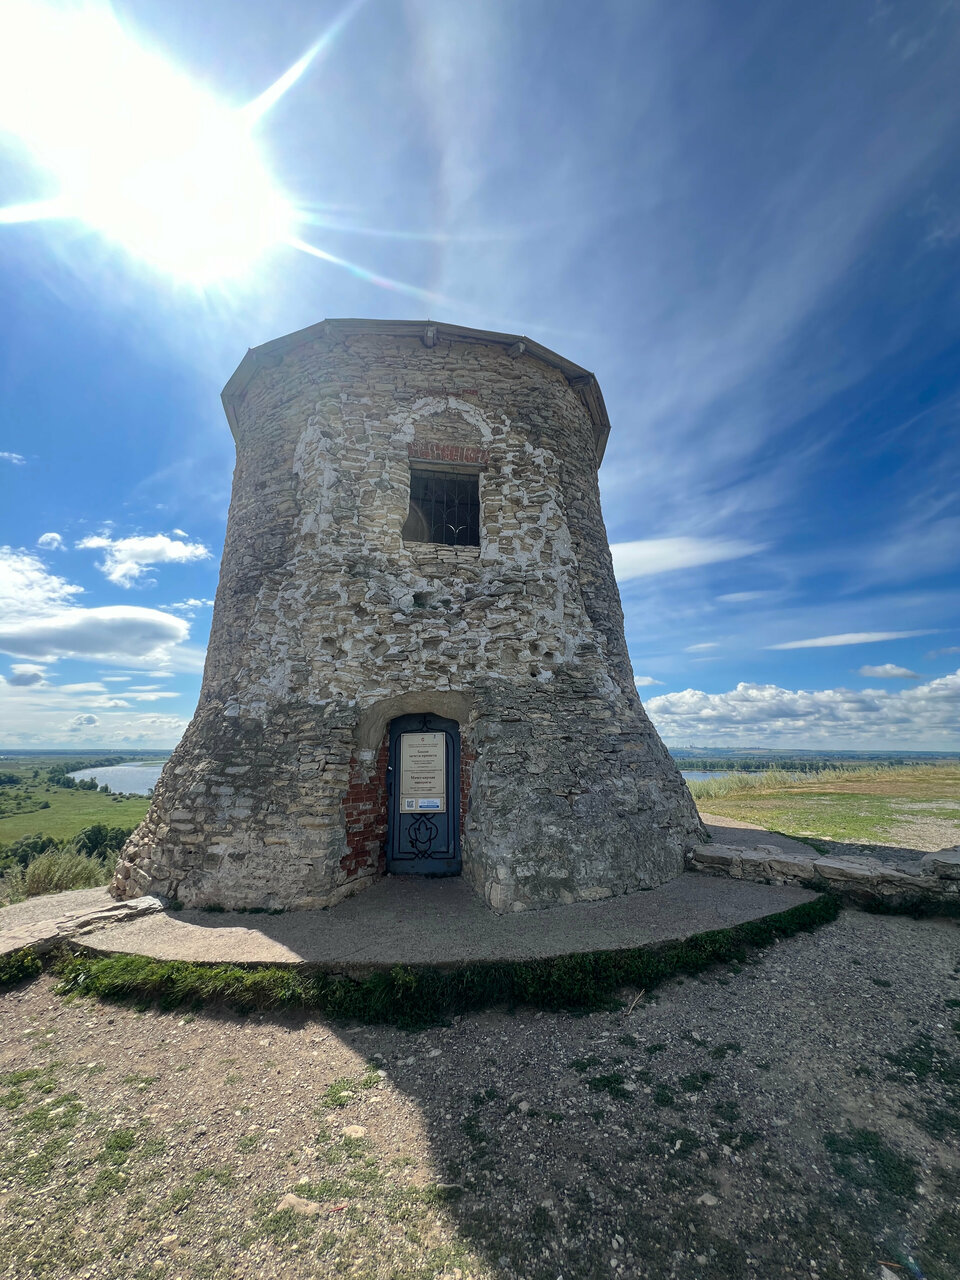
(423, 773)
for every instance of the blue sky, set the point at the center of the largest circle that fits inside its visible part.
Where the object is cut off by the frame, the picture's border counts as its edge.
(744, 218)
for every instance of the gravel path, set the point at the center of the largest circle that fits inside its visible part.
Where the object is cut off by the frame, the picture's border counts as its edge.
(794, 1116)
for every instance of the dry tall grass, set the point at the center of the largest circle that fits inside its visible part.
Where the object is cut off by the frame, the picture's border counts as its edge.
(53, 873)
(822, 779)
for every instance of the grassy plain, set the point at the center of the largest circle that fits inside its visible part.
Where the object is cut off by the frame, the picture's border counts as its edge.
(36, 805)
(861, 806)
(70, 812)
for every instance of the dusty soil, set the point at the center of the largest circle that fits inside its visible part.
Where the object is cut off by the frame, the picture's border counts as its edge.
(925, 833)
(794, 1116)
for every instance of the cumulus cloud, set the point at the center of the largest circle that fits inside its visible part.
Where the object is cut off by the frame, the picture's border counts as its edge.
(81, 722)
(648, 556)
(889, 671)
(127, 559)
(926, 715)
(16, 458)
(189, 607)
(26, 674)
(50, 541)
(27, 588)
(644, 682)
(848, 637)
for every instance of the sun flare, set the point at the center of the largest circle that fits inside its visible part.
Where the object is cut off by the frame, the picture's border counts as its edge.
(134, 149)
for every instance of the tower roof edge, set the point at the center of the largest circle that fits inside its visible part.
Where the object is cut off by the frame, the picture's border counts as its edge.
(580, 379)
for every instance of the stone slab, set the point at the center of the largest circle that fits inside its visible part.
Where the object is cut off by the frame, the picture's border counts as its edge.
(51, 905)
(409, 920)
(73, 920)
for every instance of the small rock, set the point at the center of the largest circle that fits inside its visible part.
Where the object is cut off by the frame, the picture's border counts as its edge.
(707, 1199)
(169, 1242)
(309, 1208)
(354, 1131)
(523, 1106)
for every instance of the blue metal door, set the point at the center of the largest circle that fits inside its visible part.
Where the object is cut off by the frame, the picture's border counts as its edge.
(423, 795)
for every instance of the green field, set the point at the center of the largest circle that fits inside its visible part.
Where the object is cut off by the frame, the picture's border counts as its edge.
(70, 812)
(914, 806)
(32, 802)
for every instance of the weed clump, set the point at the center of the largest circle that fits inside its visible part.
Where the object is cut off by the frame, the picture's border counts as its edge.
(18, 966)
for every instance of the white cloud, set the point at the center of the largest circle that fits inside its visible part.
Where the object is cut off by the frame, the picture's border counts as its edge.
(189, 607)
(115, 679)
(888, 671)
(39, 620)
(50, 541)
(848, 637)
(926, 715)
(26, 674)
(741, 597)
(699, 648)
(126, 559)
(643, 682)
(117, 633)
(81, 722)
(648, 556)
(27, 588)
(16, 458)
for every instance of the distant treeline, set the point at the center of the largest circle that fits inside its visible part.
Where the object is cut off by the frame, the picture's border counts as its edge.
(95, 841)
(797, 764)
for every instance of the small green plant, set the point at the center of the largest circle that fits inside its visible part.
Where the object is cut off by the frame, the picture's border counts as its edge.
(19, 966)
(696, 1081)
(580, 1065)
(345, 1088)
(611, 1083)
(868, 1161)
(720, 1051)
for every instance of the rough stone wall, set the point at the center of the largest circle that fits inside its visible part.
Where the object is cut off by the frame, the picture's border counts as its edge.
(327, 621)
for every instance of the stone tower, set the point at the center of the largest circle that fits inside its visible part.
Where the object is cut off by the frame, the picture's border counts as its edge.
(417, 661)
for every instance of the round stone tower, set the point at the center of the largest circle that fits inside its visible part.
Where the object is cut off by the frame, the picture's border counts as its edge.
(417, 663)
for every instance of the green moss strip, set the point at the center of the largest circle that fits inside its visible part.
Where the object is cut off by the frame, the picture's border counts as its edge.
(419, 996)
(18, 966)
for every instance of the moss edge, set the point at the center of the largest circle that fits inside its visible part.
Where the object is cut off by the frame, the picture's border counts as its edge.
(409, 996)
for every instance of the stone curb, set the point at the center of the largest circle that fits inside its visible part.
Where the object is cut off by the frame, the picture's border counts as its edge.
(43, 935)
(866, 880)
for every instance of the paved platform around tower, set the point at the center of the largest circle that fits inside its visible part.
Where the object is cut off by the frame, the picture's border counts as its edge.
(415, 921)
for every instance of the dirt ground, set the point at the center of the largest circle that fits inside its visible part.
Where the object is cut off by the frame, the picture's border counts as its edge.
(797, 1115)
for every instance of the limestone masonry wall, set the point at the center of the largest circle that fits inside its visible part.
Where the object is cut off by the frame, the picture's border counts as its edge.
(327, 625)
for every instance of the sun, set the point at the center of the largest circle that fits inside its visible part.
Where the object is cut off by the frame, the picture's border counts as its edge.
(134, 149)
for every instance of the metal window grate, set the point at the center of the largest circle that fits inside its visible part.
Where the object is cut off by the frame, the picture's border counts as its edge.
(444, 507)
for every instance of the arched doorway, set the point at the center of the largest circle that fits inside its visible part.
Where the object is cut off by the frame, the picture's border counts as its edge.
(423, 796)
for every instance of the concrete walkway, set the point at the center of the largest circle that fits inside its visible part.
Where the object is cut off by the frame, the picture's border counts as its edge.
(408, 920)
